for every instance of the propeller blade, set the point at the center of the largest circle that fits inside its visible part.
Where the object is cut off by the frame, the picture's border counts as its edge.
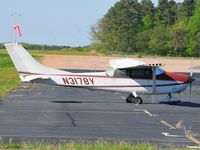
(191, 73)
(190, 88)
(191, 68)
(191, 79)
(190, 92)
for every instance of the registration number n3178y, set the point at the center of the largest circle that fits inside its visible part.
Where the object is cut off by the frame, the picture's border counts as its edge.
(78, 81)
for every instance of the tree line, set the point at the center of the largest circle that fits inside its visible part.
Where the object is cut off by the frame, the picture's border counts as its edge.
(40, 46)
(131, 26)
(29, 46)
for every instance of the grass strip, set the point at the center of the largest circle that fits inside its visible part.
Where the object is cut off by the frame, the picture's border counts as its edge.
(9, 79)
(98, 145)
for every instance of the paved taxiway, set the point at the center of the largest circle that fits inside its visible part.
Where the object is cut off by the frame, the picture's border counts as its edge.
(49, 113)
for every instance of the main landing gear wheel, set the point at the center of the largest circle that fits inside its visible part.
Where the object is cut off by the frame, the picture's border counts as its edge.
(135, 100)
(129, 99)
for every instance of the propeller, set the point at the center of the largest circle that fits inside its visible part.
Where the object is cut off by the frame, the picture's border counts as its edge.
(191, 77)
(190, 92)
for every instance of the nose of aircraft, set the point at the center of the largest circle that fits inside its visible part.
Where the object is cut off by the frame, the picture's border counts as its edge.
(183, 78)
(191, 79)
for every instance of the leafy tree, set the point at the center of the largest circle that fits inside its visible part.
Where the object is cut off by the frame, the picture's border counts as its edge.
(158, 40)
(148, 8)
(187, 8)
(133, 26)
(197, 45)
(194, 22)
(148, 14)
(179, 38)
(119, 26)
(161, 12)
(147, 22)
(194, 29)
(166, 12)
(172, 12)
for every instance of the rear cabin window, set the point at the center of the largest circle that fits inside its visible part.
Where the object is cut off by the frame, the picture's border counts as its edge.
(122, 73)
(117, 73)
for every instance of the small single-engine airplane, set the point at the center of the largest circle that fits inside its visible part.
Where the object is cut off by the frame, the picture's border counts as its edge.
(127, 75)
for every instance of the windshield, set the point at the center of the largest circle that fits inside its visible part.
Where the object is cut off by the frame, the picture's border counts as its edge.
(159, 71)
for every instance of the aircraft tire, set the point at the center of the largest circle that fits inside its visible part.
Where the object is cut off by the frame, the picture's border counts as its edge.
(129, 99)
(137, 100)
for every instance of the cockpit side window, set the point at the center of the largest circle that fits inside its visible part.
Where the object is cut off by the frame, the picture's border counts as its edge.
(159, 71)
(141, 73)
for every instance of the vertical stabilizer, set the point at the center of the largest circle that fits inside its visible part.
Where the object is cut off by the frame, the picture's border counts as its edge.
(26, 64)
(22, 60)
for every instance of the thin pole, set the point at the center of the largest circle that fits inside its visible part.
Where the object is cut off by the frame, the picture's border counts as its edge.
(154, 84)
(15, 37)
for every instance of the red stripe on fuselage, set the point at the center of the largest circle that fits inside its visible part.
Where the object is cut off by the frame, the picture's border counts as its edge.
(178, 77)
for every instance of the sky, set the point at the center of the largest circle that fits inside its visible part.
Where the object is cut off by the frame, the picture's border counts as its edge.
(52, 22)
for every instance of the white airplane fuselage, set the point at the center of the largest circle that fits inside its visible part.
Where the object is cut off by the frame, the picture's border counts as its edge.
(101, 81)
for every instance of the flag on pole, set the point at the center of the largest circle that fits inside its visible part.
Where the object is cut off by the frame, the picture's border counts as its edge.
(17, 30)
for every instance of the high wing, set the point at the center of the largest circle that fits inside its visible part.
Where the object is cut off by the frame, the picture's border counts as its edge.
(129, 63)
(126, 63)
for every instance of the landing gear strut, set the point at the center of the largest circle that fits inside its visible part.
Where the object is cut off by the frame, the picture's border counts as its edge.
(170, 96)
(133, 98)
(170, 100)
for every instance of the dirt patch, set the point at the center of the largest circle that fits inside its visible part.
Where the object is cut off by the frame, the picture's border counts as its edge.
(102, 62)
(77, 62)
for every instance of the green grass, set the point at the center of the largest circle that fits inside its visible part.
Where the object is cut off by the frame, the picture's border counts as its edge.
(8, 75)
(9, 78)
(99, 145)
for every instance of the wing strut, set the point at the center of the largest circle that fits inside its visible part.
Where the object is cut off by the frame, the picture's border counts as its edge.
(154, 83)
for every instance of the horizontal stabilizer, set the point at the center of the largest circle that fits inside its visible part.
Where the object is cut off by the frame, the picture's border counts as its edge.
(28, 78)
